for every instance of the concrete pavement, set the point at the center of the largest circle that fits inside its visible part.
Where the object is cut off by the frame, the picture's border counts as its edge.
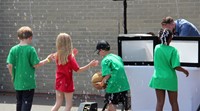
(44, 102)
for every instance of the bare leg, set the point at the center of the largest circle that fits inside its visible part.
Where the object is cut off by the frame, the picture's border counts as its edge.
(160, 94)
(59, 100)
(68, 101)
(173, 95)
(111, 107)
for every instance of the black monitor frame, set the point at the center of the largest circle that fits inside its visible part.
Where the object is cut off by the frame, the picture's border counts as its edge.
(124, 38)
(189, 64)
(155, 41)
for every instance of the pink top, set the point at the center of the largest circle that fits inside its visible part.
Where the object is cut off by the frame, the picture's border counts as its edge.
(64, 78)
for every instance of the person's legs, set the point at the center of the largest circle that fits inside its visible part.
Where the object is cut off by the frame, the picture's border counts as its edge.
(160, 94)
(19, 100)
(173, 95)
(114, 99)
(125, 100)
(111, 107)
(27, 99)
(109, 99)
(59, 100)
(68, 101)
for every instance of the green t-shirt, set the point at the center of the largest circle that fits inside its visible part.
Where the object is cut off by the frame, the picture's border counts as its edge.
(113, 65)
(166, 58)
(23, 58)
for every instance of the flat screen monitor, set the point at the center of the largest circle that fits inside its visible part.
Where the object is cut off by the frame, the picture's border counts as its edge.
(136, 49)
(188, 48)
(139, 49)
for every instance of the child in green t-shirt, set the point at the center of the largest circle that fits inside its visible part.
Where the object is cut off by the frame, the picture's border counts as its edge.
(115, 78)
(166, 62)
(22, 61)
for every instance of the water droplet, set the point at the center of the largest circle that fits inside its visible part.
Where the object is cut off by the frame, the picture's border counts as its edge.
(38, 50)
(2, 87)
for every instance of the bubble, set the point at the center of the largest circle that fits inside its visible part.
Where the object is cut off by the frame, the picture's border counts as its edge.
(56, 27)
(84, 92)
(38, 50)
(2, 87)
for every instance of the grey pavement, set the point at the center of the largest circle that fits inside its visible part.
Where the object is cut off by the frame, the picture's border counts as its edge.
(44, 102)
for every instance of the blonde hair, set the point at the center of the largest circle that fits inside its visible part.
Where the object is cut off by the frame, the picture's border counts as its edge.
(64, 48)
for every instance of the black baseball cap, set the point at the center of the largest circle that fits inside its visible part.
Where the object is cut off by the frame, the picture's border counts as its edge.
(104, 45)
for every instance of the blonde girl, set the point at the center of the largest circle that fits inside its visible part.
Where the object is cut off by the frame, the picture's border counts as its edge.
(65, 65)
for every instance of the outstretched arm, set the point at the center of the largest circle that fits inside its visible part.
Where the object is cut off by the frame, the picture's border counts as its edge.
(43, 62)
(86, 67)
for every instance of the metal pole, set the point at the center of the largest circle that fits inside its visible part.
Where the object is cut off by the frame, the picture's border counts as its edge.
(125, 17)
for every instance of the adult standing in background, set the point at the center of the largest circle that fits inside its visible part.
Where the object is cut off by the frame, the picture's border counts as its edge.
(180, 27)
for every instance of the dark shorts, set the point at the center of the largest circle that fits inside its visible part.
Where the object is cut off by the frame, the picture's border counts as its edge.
(116, 98)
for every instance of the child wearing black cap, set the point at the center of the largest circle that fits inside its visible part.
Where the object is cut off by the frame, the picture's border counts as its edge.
(115, 78)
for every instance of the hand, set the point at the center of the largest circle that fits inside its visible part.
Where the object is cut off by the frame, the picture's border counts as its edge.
(50, 57)
(54, 56)
(186, 73)
(75, 51)
(99, 86)
(103, 84)
(94, 63)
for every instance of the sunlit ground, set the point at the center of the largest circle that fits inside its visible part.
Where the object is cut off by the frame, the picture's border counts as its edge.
(44, 102)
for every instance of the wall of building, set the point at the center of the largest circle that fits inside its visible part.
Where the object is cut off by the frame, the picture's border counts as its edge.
(87, 21)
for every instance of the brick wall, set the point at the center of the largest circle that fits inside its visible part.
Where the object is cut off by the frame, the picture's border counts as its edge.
(87, 21)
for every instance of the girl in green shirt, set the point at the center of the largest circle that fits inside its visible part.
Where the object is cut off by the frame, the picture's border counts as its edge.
(166, 62)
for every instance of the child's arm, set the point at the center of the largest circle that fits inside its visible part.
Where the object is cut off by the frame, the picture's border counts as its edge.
(86, 67)
(43, 62)
(179, 68)
(104, 81)
(10, 69)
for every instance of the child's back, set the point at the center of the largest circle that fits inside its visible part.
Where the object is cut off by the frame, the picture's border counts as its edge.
(23, 58)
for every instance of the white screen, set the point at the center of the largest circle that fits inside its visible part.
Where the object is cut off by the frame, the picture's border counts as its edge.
(188, 50)
(138, 50)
